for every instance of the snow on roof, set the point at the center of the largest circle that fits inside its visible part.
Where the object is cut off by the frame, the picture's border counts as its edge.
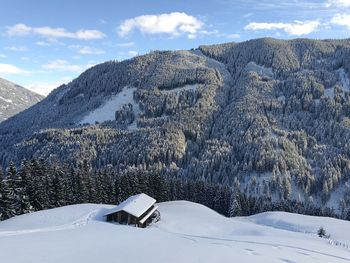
(143, 220)
(135, 205)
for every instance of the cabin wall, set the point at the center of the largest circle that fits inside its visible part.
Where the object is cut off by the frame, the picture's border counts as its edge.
(122, 218)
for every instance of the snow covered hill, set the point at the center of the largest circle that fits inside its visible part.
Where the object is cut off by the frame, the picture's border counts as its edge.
(14, 99)
(187, 232)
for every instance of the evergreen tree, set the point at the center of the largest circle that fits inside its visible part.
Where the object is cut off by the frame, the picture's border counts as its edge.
(57, 189)
(159, 187)
(4, 213)
(12, 200)
(38, 194)
(235, 208)
(21, 192)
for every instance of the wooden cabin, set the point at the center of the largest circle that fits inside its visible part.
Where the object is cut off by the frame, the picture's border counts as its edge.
(138, 210)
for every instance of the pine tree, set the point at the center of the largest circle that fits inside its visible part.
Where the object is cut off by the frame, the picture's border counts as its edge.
(321, 232)
(38, 187)
(347, 214)
(57, 189)
(11, 198)
(235, 208)
(159, 187)
(85, 184)
(21, 184)
(4, 214)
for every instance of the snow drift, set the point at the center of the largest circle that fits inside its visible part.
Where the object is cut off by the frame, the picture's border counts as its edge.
(188, 232)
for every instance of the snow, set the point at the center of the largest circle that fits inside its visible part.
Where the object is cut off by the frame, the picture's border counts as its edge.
(344, 80)
(61, 92)
(106, 112)
(337, 195)
(187, 232)
(292, 222)
(329, 93)
(55, 219)
(143, 220)
(282, 99)
(178, 90)
(6, 100)
(261, 70)
(135, 205)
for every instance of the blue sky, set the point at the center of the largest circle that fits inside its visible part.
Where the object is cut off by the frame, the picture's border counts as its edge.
(47, 43)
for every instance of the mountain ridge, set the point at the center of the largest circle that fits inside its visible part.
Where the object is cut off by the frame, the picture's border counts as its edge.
(14, 99)
(267, 116)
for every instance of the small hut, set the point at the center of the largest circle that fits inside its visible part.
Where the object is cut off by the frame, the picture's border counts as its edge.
(138, 210)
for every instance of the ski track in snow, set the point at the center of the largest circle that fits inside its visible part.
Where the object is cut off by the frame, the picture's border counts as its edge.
(197, 238)
(266, 244)
(202, 228)
(83, 221)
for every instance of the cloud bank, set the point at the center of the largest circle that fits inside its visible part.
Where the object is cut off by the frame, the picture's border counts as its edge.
(173, 24)
(49, 32)
(8, 69)
(297, 28)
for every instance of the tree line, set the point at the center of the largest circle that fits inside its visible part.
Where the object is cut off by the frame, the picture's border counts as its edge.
(37, 185)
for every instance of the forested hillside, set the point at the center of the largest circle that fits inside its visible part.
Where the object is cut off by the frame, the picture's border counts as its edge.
(268, 117)
(37, 185)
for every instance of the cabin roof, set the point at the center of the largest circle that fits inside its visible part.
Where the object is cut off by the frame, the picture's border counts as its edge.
(135, 205)
(143, 220)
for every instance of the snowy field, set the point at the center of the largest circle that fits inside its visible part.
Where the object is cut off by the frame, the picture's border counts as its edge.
(187, 232)
(106, 112)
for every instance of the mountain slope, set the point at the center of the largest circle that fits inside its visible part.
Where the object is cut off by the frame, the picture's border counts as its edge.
(269, 117)
(79, 234)
(14, 99)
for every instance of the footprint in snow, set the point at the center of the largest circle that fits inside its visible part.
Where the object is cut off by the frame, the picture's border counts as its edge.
(287, 260)
(251, 252)
(221, 244)
(305, 254)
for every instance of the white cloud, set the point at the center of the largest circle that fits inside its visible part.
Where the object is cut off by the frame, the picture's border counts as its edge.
(19, 30)
(173, 24)
(49, 32)
(232, 36)
(341, 20)
(8, 69)
(126, 44)
(133, 53)
(338, 3)
(90, 51)
(297, 28)
(44, 88)
(17, 48)
(87, 50)
(62, 65)
(3, 56)
(42, 43)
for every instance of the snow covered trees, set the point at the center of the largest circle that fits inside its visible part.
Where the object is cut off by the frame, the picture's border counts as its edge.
(38, 185)
(271, 114)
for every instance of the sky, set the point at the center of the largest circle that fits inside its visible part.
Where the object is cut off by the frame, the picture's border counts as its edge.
(44, 44)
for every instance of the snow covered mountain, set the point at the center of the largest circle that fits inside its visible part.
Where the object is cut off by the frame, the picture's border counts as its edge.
(187, 232)
(268, 117)
(14, 99)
